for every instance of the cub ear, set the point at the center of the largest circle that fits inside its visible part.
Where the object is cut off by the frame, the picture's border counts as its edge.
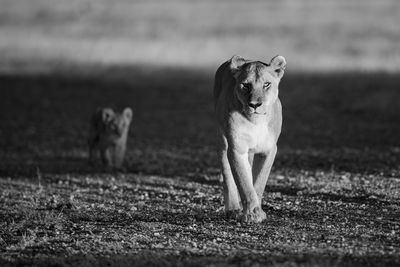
(107, 114)
(236, 62)
(278, 64)
(127, 113)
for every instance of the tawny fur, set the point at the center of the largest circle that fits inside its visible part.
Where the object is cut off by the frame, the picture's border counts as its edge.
(249, 115)
(108, 136)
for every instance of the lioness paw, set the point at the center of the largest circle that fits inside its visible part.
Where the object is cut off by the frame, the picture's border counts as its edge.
(256, 215)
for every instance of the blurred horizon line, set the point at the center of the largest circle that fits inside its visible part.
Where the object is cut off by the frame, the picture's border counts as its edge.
(57, 66)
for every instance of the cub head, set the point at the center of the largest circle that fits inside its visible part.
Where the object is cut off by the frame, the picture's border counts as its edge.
(257, 83)
(116, 123)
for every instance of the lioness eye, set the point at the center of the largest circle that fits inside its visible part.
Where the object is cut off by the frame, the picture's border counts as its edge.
(267, 85)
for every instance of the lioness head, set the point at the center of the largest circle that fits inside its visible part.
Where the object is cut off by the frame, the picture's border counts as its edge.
(116, 123)
(257, 83)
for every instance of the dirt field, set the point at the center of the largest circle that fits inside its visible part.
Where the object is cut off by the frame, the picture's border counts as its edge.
(332, 199)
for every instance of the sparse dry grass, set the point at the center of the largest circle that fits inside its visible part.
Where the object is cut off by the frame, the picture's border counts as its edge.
(313, 219)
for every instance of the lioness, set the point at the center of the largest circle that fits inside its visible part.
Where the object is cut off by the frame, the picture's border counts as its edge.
(249, 114)
(108, 134)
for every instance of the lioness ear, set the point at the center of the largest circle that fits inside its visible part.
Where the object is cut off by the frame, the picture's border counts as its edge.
(278, 64)
(236, 63)
(127, 113)
(107, 114)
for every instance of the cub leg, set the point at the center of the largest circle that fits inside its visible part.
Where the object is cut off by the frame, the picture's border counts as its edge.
(105, 155)
(119, 155)
(242, 174)
(262, 165)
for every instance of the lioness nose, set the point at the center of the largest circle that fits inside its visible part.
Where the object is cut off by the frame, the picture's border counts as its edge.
(255, 105)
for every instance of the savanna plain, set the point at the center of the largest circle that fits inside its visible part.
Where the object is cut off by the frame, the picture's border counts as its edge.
(333, 197)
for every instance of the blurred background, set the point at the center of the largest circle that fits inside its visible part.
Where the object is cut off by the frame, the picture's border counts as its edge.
(313, 34)
(59, 60)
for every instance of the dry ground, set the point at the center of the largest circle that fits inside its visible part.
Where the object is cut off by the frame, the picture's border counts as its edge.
(332, 199)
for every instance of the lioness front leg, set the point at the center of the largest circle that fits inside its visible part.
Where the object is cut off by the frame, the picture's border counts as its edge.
(262, 165)
(242, 174)
(231, 193)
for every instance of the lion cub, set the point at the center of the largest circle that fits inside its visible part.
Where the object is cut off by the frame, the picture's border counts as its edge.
(108, 134)
(249, 115)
